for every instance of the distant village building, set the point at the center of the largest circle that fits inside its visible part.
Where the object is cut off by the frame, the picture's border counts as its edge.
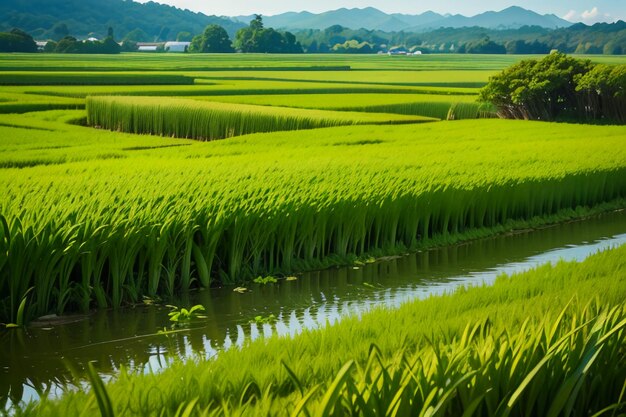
(41, 45)
(177, 46)
(398, 51)
(148, 47)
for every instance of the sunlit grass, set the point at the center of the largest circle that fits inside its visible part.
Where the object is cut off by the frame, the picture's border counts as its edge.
(549, 340)
(163, 219)
(210, 120)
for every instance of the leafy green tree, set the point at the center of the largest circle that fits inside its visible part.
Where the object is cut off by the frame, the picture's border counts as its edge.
(353, 47)
(17, 41)
(129, 46)
(246, 39)
(68, 45)
(537, 90)
(291, 44)
(109, 46)
(257, 38)
(50, 47)
(523, 47)
(484, 46)
(136, 35)
(214, 39)
(71, 45)
(603, 93)
(184, 37)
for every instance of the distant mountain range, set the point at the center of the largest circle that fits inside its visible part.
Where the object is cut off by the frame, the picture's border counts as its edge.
(151, 21)
(374, 19)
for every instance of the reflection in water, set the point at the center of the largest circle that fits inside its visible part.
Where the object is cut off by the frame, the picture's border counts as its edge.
(37, 360)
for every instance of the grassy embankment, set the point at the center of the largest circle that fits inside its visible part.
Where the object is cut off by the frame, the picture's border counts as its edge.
(546, 342)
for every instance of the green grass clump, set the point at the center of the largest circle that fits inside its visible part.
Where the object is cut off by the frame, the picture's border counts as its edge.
(208, 121)
(81, 78)
(548, 342)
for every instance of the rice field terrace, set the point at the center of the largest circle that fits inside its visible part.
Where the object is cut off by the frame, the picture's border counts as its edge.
(138, 181)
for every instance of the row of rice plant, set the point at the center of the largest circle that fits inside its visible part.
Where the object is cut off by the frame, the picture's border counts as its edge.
(109, 231)
(478, 352)
(13, 102)
(341, 101)
(208, 120)
(251, 62)
(245, 87)
(439, 110)
(91, 78)
(440, 106)
(442, 78)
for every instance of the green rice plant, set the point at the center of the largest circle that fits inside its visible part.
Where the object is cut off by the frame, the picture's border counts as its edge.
(444, 78)
(440, 106)
(440, 110)
(263, 62)
(102, 397)
(37, 106)
(243, 87)
(91, 78)
(113, 225)
(478, 351)
(209, 121)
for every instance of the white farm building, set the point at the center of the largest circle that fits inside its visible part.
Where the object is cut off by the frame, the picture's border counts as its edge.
(177, 46)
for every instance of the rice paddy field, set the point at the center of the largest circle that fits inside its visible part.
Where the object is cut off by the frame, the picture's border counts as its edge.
(140, 178)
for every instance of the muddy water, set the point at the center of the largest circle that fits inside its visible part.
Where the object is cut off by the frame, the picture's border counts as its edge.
(38, 359)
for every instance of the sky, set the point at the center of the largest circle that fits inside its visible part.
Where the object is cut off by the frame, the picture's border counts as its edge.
(573, 10)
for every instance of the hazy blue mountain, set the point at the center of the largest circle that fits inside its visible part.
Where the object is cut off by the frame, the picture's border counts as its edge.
(374, 19)
(153, 21)
(510, 18)
(368, 17)
(423, 19)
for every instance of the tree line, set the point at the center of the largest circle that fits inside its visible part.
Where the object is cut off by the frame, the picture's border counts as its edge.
(254, 38)
(559, 87)
(214, 39)
(19, 41)
(601, 38)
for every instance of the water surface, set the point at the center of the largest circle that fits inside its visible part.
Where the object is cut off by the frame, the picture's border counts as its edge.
(37, 359)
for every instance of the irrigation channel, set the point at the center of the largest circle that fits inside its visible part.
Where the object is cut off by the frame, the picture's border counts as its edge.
(38, 359)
